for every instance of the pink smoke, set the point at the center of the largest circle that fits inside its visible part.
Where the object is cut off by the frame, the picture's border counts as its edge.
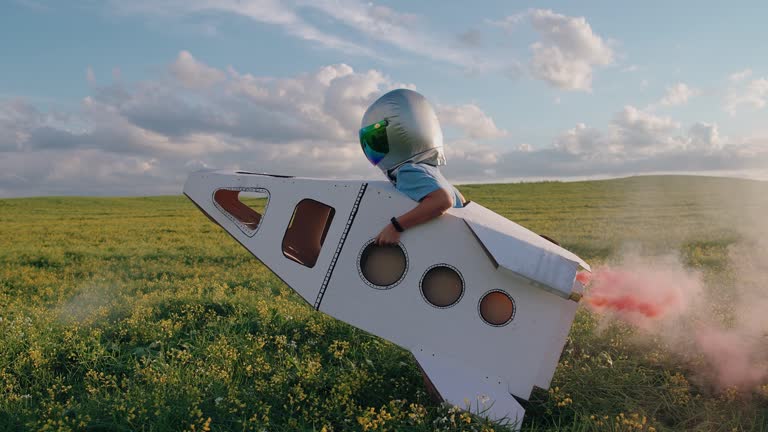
(642, 296)
(664, 299)
(734, 358)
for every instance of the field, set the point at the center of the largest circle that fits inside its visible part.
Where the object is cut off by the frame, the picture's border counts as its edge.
(140, 314)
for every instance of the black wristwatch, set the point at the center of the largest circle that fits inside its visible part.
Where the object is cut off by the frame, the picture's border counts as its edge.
(397, 225)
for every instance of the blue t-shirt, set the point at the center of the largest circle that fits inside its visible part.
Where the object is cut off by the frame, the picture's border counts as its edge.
(418, 180)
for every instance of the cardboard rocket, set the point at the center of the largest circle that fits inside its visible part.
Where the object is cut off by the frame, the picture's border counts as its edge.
(483, 304)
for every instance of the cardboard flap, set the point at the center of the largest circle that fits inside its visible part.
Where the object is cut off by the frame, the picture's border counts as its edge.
(514, 248)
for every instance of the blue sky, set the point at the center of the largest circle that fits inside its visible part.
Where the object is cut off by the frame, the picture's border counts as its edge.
(116, 98)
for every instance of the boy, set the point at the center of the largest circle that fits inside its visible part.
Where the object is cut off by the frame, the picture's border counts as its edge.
(401, 135)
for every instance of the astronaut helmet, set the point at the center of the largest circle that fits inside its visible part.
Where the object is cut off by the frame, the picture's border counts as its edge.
(401, 127)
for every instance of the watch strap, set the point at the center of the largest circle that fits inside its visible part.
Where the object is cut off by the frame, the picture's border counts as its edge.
(397, 225)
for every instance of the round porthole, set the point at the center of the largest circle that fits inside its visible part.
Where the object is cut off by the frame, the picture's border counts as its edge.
(497, 308)
(382, 267)
(442, 286)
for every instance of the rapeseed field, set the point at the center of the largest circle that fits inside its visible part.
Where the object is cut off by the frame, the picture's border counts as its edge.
(140, 314)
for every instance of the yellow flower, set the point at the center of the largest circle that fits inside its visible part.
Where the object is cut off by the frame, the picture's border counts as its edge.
(338, 348)
(466, 418)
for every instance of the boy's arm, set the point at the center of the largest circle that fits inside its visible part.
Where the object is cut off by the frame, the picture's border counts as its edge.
(431, 206)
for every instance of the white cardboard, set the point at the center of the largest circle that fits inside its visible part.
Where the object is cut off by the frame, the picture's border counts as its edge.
(457, 349)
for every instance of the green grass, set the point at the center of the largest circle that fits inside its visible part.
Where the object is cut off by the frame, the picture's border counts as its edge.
(140, 314)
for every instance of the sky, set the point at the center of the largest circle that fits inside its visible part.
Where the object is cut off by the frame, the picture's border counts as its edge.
(128, 97)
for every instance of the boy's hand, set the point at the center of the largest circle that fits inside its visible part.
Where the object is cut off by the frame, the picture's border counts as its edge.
(388, 236)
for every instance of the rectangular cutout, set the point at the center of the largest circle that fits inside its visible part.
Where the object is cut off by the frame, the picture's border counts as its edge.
(306, 231)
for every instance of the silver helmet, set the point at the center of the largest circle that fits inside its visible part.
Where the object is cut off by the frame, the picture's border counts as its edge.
(401, 127)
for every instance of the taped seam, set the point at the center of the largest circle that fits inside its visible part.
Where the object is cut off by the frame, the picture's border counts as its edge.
(339, 247)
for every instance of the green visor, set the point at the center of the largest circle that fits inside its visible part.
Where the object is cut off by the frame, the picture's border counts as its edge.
(373, 139)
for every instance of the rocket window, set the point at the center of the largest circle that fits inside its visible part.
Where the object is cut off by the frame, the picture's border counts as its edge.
(306, 232)
(382, 267)
(442, 286)
(497, 308)
(243, 206)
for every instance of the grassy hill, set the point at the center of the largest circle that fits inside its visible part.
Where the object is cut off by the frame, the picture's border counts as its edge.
(140, 314)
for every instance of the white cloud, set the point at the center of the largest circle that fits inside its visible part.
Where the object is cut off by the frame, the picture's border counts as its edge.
(752, 94)
(509, 22)
(640, 132)
(305, 124)
(525, 147)
(704, 136)
(84, 172)
(636, 141)
(633, 118)
(678, 94)
(84, 164)
(581, 140)
(327, 104)
(379, 23)
(348, 96)
(633, 133)
(18, 120)
(144, 137)
(471, 119)
(192, 73)
(468, 151)
(385, 24)
(740, 75)
(568, 51)
(193, 115)
(272, 12)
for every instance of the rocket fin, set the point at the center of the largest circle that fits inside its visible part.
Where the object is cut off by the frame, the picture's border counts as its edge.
(470, 389)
